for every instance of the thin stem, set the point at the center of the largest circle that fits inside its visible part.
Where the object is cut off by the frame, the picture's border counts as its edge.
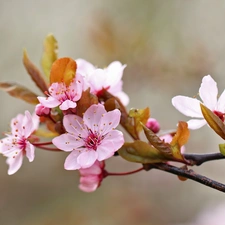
(198, 159)
(42, 143)
(123, 174)
(190, 174)
(48, 148)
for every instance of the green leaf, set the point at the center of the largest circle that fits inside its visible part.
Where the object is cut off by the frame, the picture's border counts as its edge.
(214, 121)
(141, 152)
(34, 73)
(222, 149)
(18, 91)
(50, 54)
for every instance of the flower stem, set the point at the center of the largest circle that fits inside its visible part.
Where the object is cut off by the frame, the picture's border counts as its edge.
(47, 148)
(42, 143)
(123, 174)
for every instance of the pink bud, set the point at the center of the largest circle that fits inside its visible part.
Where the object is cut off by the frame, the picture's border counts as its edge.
(153, 125)
(41, 110)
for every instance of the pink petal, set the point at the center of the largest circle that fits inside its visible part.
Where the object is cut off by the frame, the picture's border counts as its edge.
(88, 187)
(49, 102)
(27, 124)
(109, 121)
(208, 92)
(95, 169)
(115, 72)
(84, 67)
(187, 106)
(75, 125)
(68, 104)
(93, 116)
(30, 152)
(98, 80)
(87, 158)
(67, 142)
(71, 161)
(221, 103)
(15, 163)
(110, 144)
(194, 124)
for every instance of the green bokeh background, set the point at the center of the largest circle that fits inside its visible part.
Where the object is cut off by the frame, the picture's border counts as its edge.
(168, 47)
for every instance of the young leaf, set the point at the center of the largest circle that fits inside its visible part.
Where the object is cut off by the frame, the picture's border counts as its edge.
(222, 149)
(63, 70)
(34, 73)
(50, 54)
(139, 116)
(214, 121)
(18, 91)
(180, 138)
(87, 99)
(157, 142)
(141, 152)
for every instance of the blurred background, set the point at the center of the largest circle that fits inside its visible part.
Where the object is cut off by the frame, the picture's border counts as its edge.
(168, 47)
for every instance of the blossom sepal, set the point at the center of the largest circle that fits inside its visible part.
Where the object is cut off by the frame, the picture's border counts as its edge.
(214, 121)
(141, 152)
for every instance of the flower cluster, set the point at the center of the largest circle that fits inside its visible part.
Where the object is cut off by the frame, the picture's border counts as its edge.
(80, 110)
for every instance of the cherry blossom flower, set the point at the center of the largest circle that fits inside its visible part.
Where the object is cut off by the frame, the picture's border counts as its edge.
(108, 78)
(17, 144)
(91, 178)
(89, 139)
(208, 92)
(63, 96)
(41, 110)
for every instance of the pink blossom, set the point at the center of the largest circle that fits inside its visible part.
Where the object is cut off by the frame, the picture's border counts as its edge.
(108, 78)
(153, 125)
(208, 92)
(63, 96)
(91, 178)
(89, 139)
(17, 144)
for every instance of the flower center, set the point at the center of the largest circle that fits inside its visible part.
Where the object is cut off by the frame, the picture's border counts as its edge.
(219, 114)
(22, 142)
(93, 140)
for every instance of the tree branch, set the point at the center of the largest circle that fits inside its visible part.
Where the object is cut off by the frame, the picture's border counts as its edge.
(198, 159)
(190, 174)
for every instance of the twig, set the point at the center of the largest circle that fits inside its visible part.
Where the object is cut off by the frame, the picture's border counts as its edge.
(190, 174)
(198, 159)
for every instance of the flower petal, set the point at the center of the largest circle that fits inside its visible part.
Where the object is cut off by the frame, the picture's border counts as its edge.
(95, 169)
(49, 102)
(15, 163)
(208, 92)
(67, 142)
(30, 152)
(86, 159)
(68, 104)
(124, 98)
(188, 106)
(109, 121)
(75, 125)
(221, 102)
(110, 144)
(194, 124)
(93, 116)
(88, 186)
(71, 161)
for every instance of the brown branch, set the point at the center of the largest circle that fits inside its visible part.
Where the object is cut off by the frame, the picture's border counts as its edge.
(198, 159)
(190, 174)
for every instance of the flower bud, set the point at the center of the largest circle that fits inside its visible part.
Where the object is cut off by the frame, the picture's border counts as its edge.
(153, 125)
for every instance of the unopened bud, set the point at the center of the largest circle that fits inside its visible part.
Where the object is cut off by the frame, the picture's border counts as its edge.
(153, 125)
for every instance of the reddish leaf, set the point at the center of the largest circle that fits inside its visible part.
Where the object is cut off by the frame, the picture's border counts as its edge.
(20, 92)
(63, 70)
(35, 74)
(214, 121)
